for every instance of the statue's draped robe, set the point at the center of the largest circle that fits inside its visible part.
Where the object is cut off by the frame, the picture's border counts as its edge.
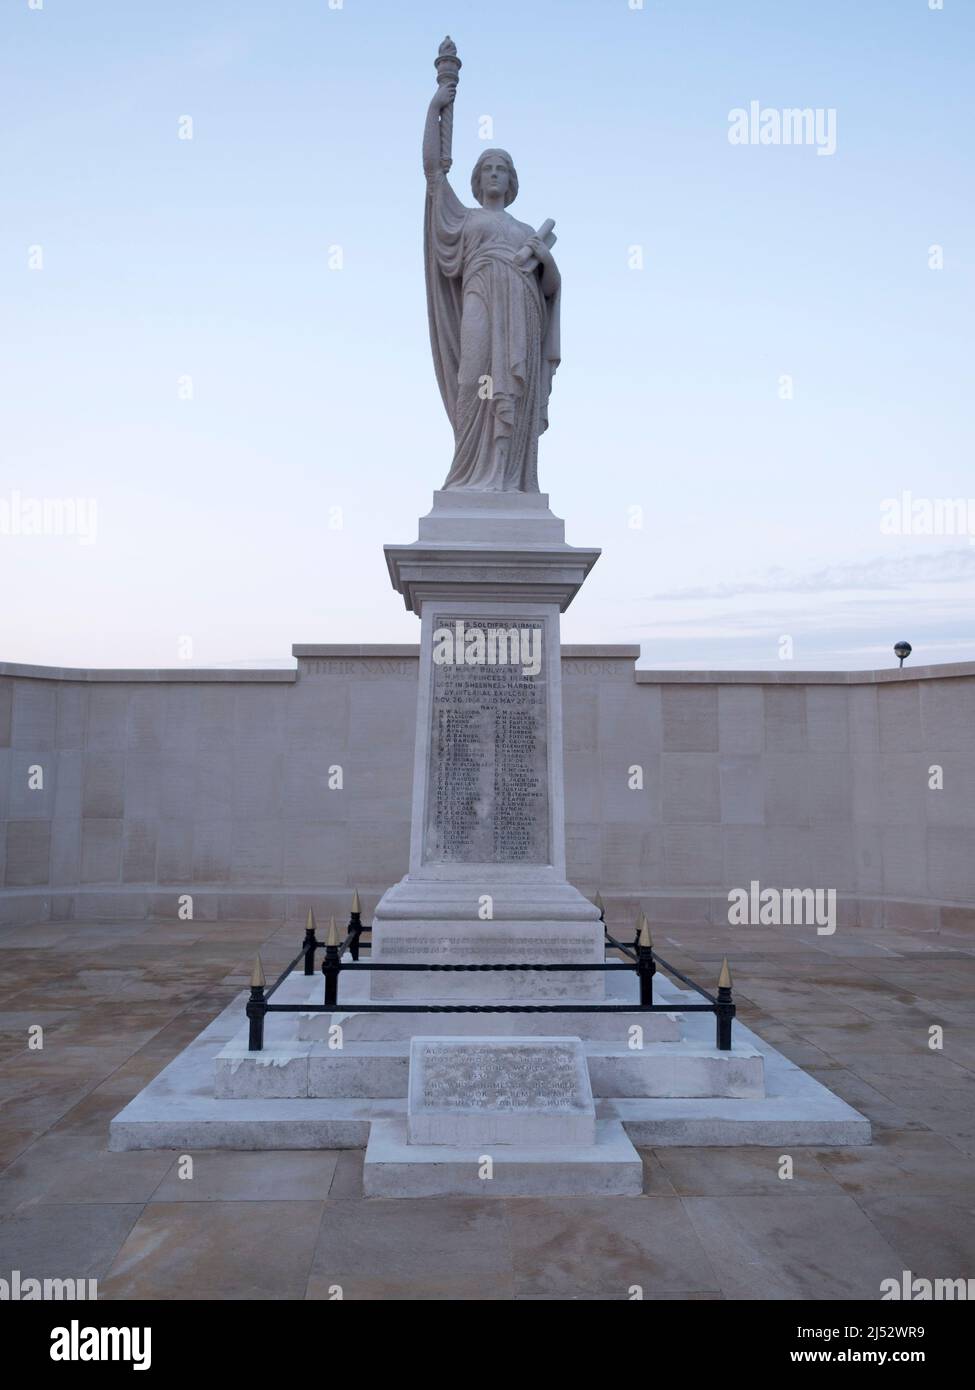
(488, 319)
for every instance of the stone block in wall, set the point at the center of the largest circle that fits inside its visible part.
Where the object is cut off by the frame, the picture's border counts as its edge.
(786, 789)
(174, 851)
(305, 784)
(26, 800)
(954, 803)
(35, 715)
(903, 789)
(580, 723)
(107, 717)
(66, 851)
(378, 849)
(692, 855)
(631, 853)
(629, 719)
(742, 789)
(103, 785)
(146, 718)
(869, 859)
(139, 851)
(213, 789)
(828, 718)
(741, 719)
(864, 720)
(899, 713)
(257, 852)
(101, 851)
(905, 861)
(72, 725)
(690, 791)
(584, 785)
(212, 851)
(6, 711)
(379, 718)
(617, 800)
(181, 734)
(215, 720)
(257, 783)
(785, 718)
(948, 716)
(690, 718)
(259, 717)
(316, 852)
(951, 864)
(829, 778)
(176, 786)
(317, 715)
(745, 855)
(583, 852)
(28, 856)
(70, 780)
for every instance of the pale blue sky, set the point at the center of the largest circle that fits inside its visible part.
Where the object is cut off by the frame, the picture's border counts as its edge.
(313, 388)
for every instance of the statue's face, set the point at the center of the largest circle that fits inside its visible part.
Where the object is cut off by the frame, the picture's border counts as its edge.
(495, 176)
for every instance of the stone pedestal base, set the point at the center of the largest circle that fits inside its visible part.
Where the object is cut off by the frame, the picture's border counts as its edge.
(538, 922)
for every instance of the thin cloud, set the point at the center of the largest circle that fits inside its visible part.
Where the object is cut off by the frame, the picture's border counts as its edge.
(953, 566)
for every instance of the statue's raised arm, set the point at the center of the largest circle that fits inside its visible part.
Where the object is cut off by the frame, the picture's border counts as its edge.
(493, 293)
(438, 133)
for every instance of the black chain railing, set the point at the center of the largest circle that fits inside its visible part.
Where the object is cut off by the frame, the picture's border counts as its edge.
(641, 958)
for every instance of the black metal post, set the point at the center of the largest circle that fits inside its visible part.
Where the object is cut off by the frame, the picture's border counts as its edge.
(309, 946)
(331, 966)
(724, 1013)
(256, 1010)
(646, 969)
(355, 931)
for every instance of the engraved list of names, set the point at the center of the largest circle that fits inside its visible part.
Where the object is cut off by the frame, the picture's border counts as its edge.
(487, 787)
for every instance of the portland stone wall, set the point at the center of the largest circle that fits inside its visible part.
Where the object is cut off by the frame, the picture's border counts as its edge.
(254, 794)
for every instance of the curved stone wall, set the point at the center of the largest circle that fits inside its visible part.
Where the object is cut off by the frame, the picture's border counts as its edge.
(256, 793)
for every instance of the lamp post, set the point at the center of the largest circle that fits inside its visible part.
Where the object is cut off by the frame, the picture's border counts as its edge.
(903, 650)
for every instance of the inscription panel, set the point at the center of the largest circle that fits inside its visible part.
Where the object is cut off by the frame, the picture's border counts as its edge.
(505, 1078)
(487, 777)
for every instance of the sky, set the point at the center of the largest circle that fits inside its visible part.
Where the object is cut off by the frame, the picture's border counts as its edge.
(214, 359)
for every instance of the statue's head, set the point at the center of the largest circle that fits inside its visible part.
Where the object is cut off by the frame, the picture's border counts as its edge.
(495, 170)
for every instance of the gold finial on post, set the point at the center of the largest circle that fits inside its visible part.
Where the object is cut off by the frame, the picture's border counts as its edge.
(356, 905)
(643, 932)
(724, 979)
(310, 923)
(332, 939)
(258, 978)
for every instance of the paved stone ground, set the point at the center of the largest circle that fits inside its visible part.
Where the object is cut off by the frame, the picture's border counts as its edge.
(118, 1000)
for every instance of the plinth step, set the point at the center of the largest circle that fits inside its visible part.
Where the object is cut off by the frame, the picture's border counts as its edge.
(380, 1070)
(610, 1167)
(396, 1027)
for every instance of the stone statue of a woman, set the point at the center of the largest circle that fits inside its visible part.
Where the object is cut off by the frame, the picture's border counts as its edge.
(493, 298)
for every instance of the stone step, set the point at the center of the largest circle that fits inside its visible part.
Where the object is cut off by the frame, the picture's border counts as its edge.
(611, 1167)
(396, 1027)
(379, 1070)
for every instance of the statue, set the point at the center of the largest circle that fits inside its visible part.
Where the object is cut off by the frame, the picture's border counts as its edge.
(493, 300)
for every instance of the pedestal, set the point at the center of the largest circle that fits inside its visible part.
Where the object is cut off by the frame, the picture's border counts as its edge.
(489, 577)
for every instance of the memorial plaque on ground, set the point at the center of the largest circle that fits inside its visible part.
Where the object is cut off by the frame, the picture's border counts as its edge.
(487, 786)
(499, 1090)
